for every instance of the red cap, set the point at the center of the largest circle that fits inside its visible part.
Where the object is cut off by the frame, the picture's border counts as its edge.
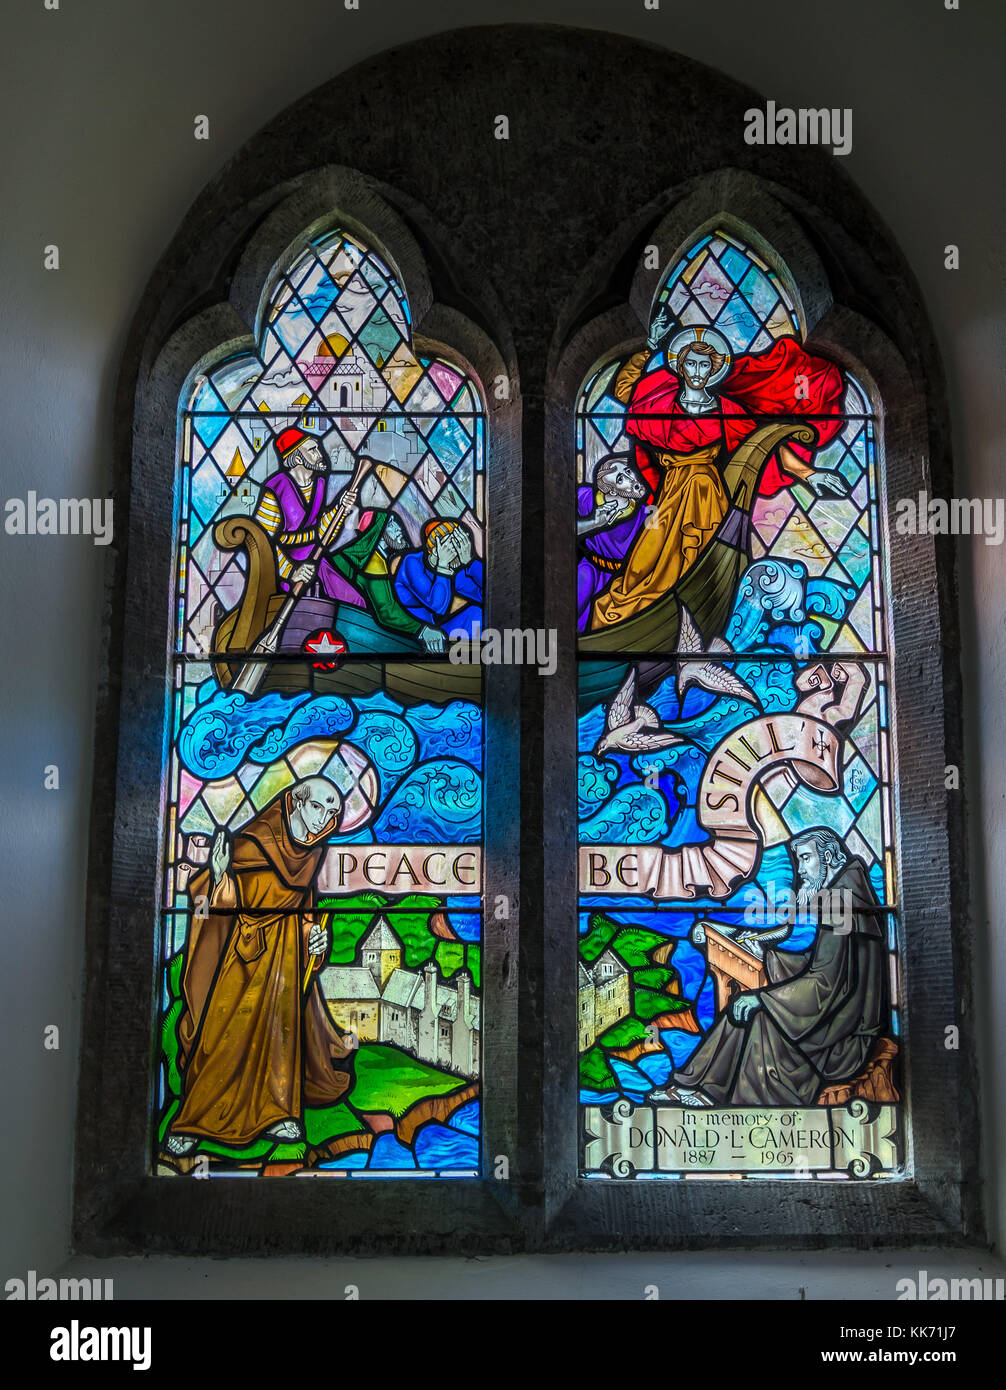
(289, 440)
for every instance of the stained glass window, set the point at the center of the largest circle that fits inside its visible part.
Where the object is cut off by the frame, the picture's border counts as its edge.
(321, 929)
(739, 996)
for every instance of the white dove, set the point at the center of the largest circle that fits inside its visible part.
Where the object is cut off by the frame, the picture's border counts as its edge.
(632, 728)
(710, 675)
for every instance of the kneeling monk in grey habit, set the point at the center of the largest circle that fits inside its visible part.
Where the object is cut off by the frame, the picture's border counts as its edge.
(254, 1047)
(822, 1012)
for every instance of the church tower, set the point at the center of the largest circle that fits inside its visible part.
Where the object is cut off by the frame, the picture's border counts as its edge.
(382, 952)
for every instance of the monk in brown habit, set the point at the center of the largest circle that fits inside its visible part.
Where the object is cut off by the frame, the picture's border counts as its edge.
(255, 1046)
(822, 1012)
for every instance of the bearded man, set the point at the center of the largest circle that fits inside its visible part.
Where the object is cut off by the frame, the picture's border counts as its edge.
(291, 509)
(823, 1010)
(609, 516)
(257, 1044)
(685, 433)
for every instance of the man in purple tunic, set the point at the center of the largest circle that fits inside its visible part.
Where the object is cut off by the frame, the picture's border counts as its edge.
(610, 515)
(290, 510)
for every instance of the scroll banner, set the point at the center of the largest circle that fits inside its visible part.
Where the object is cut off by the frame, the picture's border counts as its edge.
(801, 746)
(858, 1139)
(440, 869)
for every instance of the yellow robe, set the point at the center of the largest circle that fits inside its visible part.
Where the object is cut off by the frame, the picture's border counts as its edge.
(690, 506)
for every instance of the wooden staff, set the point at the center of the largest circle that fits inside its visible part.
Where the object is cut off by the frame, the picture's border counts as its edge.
(326, 918)
(252, 673)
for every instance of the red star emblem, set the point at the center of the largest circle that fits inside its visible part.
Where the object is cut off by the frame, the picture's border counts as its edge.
(325, 643)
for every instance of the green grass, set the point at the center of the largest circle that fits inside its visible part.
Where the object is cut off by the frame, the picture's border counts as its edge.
(330, 1122)
(450, 956)
(653, 977)
(598, 936)
(649, 1003)
(347, 930)
(388, 1079)
(623, 1033)
(169, 1024)
(633, 944)
(595, 1074)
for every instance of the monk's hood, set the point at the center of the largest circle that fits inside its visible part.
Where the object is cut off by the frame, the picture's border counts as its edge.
(295, 863)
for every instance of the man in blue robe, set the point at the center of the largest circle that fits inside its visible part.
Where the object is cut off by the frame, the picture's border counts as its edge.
(429, 581)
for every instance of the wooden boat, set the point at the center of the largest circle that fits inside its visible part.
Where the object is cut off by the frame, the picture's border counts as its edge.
(707, 589)
(410, 682)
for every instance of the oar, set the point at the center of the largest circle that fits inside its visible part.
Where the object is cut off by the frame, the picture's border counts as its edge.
(252, 673)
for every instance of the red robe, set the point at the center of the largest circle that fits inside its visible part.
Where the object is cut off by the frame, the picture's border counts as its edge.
(763, 383)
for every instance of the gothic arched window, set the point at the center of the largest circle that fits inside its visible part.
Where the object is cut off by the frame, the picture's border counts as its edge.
(343, 297)
(321, 930)
(738, 996)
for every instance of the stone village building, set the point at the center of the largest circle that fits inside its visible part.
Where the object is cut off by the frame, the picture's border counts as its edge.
(602, 997)
(380, 1001)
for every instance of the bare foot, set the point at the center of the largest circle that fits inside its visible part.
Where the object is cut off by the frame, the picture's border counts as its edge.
(290, 1130)
(681, 1095)
(180, 1144)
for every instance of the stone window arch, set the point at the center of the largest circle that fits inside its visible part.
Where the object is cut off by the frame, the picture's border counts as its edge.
(527, 260)
(884, 415)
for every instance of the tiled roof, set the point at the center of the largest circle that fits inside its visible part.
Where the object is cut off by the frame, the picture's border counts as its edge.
(381, 937)
(348, 982)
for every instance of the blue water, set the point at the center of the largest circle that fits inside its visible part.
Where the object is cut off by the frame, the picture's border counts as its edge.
(357, 1160)
(657, 1066)
(440, 1146)
(633, 1082)
(389, 1153)
(467, 1118)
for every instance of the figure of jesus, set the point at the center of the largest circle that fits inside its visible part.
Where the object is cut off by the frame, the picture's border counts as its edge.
(685, 433)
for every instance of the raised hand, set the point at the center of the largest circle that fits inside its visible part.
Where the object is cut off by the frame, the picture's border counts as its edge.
(822, 481)
(220, 855)
(662, 322)
(463, 546)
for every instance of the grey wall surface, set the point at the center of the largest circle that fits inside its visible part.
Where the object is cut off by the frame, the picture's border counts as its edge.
(100, 159)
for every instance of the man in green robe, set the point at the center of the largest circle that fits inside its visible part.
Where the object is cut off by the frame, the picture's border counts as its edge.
(367, 563)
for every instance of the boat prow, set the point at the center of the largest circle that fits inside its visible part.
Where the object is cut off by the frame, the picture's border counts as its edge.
(706, 589)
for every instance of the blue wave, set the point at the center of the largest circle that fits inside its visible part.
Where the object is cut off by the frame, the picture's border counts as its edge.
(439, 801)
(452, 730)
